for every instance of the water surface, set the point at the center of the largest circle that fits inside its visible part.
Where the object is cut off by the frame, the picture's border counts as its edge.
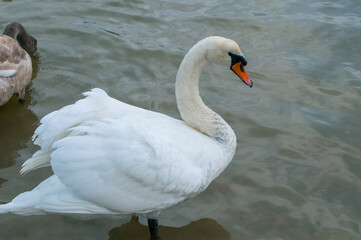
(296, 172)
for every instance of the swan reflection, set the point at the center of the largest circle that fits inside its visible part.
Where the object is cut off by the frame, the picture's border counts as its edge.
(201, 229)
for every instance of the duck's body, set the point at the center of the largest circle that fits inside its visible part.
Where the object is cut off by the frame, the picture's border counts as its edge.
(15, 61)
(109, 157)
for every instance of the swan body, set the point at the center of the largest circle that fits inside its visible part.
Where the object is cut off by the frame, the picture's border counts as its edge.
(15, 62)
(112, 158)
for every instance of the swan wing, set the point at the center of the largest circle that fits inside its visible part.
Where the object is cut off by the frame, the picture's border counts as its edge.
(134, 164)
(95, 106)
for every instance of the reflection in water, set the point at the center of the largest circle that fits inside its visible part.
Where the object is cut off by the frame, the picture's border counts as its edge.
(35, 60)
(2, 180)
(17, 124)
(207, 229)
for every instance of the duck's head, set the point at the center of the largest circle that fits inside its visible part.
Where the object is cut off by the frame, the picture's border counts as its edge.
(227, 52)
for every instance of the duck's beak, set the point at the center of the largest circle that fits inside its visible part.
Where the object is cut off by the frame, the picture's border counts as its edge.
(237, 66)
(239, 70)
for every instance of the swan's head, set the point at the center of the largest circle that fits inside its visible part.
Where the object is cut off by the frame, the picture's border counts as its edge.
(227, 52)
(18, 32)
(29, 44)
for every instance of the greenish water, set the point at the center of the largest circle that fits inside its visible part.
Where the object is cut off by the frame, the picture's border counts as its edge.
(296, 173)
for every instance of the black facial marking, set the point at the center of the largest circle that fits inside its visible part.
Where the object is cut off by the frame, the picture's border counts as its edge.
(237, 58)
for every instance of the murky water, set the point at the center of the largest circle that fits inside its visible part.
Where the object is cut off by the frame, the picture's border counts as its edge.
(297, 170)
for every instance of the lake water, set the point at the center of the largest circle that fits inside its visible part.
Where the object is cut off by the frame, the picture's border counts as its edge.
(296, 173)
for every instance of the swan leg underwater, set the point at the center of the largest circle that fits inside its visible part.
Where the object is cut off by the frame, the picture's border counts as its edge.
(15, 62)
(111, 158)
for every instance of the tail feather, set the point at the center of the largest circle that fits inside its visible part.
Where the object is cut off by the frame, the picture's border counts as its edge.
(5, 208)
(21, 205)
(38, 160)
(51, 196)
(20, 210)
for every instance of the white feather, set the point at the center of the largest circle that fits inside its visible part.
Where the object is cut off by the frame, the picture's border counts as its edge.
(7, 73)
(39, 159)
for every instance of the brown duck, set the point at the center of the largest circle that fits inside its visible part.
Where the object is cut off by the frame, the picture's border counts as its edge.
(15, 62)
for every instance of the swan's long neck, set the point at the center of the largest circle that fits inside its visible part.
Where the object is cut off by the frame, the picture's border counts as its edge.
(191, 107)
(16, 31)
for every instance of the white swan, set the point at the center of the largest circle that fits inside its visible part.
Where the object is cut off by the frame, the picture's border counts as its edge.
(109, 157)
(15, 62)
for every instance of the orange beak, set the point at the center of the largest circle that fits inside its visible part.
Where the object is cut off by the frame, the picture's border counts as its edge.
(239, 70)
(237, 66)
